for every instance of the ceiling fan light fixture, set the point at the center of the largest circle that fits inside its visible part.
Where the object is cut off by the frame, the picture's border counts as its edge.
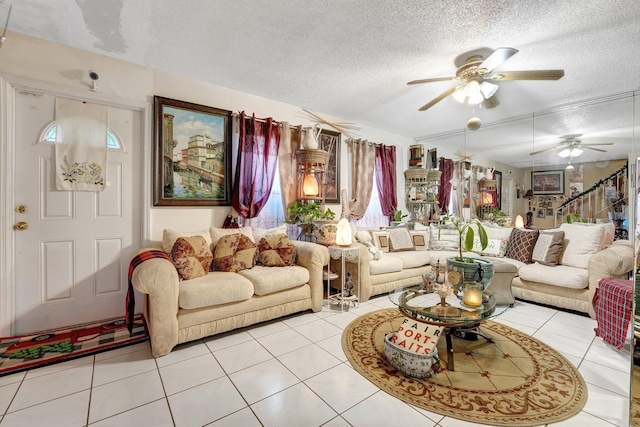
(476, 98)
(459, 96)
(488, 89)
(570, 152)
(569, 167)
(472, 88)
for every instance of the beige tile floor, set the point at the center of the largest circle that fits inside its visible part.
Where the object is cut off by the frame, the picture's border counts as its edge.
(289, 372)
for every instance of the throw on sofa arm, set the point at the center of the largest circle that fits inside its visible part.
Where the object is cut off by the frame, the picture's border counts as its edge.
(313, 257)
(615, 261)
(158, 278)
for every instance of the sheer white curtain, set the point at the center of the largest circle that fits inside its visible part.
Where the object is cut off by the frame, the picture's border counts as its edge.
(272, 214)
(373, 216)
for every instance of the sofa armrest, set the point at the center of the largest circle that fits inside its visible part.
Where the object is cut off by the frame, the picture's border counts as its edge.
(157, 278)
(615, 261)
(313, 257)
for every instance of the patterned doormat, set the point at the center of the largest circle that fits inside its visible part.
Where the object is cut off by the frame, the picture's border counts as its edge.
(516, 381)
(58, 345)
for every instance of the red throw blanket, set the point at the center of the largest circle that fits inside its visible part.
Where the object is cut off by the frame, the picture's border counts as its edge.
(612, 303)
(131, 298)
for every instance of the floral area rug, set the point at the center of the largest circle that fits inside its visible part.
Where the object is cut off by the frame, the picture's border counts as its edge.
(58, 345)
(515, 381)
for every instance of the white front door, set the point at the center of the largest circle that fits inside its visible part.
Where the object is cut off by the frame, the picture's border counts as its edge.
(71, 261)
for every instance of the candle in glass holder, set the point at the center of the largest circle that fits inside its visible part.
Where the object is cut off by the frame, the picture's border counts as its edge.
(472, 294)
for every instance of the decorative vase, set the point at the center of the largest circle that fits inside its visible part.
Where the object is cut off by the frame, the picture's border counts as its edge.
(311, 136)
(325, 232)
(470, 271)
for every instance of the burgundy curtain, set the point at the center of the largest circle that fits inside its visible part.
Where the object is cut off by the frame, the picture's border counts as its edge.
(256, 164)
(444, 190)
(386, 178)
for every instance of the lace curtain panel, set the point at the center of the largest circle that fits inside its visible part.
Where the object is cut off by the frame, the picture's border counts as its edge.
(81, 145)
(362, 166)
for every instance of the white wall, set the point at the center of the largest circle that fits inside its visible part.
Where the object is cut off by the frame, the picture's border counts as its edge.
(61, 66)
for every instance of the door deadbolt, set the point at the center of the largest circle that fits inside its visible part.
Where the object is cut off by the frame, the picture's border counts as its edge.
(21, 226)
(21, 209)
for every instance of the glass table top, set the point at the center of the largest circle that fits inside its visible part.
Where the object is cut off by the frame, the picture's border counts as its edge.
(426, 306)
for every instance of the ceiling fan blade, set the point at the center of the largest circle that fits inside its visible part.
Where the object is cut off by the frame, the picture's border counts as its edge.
(498, 56)
(591, 148)
(546, 150)
(527, 75)
(437, 79)
(595, 143)
(490, 103)
(439, 98)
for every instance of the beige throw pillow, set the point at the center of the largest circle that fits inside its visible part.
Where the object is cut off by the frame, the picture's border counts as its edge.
(420, 239)
(169, 237)
(400, 240)
(380, 239)
(548, 247)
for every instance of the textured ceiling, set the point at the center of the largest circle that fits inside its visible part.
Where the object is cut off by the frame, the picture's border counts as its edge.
(352, 58)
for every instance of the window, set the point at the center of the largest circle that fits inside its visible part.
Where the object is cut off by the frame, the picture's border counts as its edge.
(49, 135)
(272, 214)
(373, 217)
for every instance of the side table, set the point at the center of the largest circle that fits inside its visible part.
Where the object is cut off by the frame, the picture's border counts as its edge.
(341, 297)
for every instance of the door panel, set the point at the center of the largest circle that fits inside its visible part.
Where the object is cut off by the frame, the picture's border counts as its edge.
(71, 262)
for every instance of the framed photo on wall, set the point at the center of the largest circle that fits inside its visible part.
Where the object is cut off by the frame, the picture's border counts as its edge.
(192, 154)
(330, 142)
(547, 182)
(416, 156)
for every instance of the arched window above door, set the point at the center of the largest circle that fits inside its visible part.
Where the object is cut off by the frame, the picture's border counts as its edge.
(48, 135)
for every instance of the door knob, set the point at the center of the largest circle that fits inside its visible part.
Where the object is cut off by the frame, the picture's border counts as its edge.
(21, 209)
(21, 225)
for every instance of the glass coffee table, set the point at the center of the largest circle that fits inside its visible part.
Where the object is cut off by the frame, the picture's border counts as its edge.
(457, 319)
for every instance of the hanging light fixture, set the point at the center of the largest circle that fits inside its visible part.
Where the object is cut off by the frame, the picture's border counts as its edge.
(572, 152)
(475, 92)
(310, 185)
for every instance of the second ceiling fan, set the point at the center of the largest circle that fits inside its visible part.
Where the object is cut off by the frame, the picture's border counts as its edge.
(474, 74)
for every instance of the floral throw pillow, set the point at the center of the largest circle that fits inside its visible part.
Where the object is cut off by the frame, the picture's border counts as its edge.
(191, 256)
(276, 250)
(234, 252)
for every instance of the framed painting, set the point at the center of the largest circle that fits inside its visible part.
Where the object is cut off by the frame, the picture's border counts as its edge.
(498, 177)
(330, 142)
(192, 154)
(416, 156)
(547, 182)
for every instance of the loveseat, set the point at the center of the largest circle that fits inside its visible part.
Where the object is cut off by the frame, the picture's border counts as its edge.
(179, 311)
(565, 272)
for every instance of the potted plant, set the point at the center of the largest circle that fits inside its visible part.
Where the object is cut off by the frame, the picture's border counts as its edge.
(309, 217)
(397, 216)
(469, 266)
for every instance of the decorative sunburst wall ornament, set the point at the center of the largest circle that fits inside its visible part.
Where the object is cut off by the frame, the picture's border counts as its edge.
(342, 127)
(464, 156)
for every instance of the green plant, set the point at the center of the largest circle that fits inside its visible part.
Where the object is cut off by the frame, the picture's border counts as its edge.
(467, 232)
(304, 214)
(576, 217)
(397, 215)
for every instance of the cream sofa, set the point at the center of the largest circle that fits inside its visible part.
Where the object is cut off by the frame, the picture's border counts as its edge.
(564, 285)
(182, 311)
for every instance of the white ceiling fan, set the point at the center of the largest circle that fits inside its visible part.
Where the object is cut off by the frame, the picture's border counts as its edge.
(475, 74)
(571, 146)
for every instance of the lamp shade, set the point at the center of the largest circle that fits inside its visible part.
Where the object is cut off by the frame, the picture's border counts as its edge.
(310, 185)
(343, 234)
(519, 221)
